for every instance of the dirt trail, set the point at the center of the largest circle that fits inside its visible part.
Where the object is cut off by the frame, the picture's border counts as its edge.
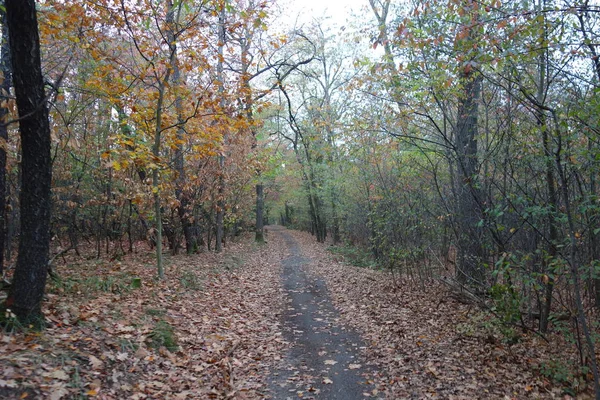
(323, 361)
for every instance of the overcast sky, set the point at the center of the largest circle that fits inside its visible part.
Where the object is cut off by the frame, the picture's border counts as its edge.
(304, 11)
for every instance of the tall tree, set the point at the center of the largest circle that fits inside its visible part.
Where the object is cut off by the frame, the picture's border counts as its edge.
(470, 252)
(6, 70)
(222, 37)
(27, 291)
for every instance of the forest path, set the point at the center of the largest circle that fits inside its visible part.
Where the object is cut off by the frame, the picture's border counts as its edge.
(276, 321)
(323, 360)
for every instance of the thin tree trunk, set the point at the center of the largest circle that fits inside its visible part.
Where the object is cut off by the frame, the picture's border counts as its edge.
(550, 185)
(129, 234)
(155, 177)
(221, 89)
(183, 211)
(11, 222)
(594, 239)
(574, 266)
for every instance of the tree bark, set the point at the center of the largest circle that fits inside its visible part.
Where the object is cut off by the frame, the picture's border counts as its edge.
(469, 255)
(29, 281)
(220, 220)
(183, 211)
(260, 206)
(6, 70)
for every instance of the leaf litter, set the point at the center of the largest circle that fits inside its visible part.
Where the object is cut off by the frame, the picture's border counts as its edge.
(224, 311)
(426, 344)
(225, 332)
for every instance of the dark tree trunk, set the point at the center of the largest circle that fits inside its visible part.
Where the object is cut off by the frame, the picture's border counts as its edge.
(552, 193)
(11, 221)
(181, 193)
(335, 229)
(220, 220)
(129, 237)
(6, 70)
(260, 207)
(29, 281)
(469, 261)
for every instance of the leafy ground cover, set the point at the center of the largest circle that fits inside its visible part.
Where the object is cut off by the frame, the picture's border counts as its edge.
(429, 345)
(213, 329)
(209, 330)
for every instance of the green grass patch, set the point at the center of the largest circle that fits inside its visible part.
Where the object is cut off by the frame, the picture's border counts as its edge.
(190, 280)
(121, 283)
(355, 256)
(155, 312)
(163, 335)
(231, 262)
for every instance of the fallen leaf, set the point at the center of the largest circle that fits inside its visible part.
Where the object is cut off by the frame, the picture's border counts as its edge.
(11, 383)
(330, 362)
(96, 362)
(60, 374)
(327, 381)
(58, 393)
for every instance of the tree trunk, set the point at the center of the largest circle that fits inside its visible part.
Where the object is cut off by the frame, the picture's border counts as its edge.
(260, 206)
(550, 183)
(183, 211)
(594, 239)
(155, 177)
(470, 252)
(552, 228)
(220, 231)
(11, 222)
(6, 70)
(29, 281)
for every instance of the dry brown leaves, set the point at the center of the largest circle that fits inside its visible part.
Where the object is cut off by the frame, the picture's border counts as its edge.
(427, 345)
(222, 309)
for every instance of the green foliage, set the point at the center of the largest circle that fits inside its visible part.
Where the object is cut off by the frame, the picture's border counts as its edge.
(121, 283)
(128, 345)
(488, 326)
(163, 335)
(155, 312)
(190, 280)
(136, 283)
(507, 309)
(9, 321)
(355, 256)
(231, 262)
(507, 303)
(570, 377)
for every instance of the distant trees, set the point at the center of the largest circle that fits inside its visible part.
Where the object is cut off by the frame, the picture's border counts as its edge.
(314, 110)
(471, 150)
